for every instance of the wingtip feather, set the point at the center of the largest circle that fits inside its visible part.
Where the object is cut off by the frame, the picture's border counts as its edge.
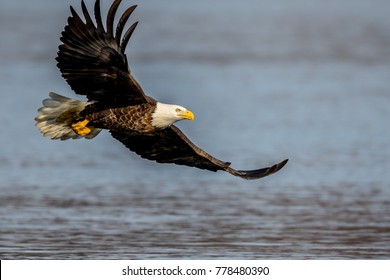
(122, 22)
(127, 36)
(98, 17)
(111, 16)
(257, 173)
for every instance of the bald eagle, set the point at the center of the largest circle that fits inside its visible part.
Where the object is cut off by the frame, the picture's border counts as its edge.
(92, 60)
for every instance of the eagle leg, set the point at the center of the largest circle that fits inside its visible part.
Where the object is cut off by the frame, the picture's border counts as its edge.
(81, 127)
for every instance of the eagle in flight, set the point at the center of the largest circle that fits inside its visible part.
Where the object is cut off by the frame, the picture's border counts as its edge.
(92, 60)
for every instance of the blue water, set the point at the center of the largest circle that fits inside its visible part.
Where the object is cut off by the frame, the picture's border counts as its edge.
(304, 80)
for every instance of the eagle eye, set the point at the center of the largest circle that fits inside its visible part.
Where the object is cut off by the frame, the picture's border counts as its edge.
(178, 110)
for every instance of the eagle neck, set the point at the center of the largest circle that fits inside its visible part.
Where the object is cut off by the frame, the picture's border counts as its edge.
(163, 115)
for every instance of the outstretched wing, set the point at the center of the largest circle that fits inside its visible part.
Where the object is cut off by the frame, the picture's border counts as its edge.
(92, 59)
(172, 146)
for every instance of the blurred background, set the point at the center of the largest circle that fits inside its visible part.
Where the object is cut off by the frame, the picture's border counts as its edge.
(267, 80)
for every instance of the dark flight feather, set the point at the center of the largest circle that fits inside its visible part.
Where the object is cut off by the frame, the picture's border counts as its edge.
(90, 24)
(127, 36)
(122, 22)
(98, 17)
(93, 62)
(111, 17)
(172, 146)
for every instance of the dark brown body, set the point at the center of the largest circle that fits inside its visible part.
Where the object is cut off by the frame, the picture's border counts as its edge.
(136, 119)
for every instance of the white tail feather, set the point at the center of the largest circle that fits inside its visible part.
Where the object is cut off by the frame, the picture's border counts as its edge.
(57, 115)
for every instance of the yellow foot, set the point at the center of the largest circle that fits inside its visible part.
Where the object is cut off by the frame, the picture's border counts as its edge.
(81, 128)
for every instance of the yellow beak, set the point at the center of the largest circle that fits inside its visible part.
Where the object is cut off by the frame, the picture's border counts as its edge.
(188, 115)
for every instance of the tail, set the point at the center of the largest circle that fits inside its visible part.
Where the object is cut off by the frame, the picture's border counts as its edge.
(59, 119)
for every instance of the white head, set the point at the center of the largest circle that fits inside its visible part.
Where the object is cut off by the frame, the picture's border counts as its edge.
(166, 114)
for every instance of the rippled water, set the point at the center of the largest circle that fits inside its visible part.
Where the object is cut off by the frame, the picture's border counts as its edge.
(305, 80)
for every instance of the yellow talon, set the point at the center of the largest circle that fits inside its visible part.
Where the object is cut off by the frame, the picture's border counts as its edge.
(81, 128)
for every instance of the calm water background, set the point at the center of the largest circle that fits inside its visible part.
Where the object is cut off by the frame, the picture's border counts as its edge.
(267, 80)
